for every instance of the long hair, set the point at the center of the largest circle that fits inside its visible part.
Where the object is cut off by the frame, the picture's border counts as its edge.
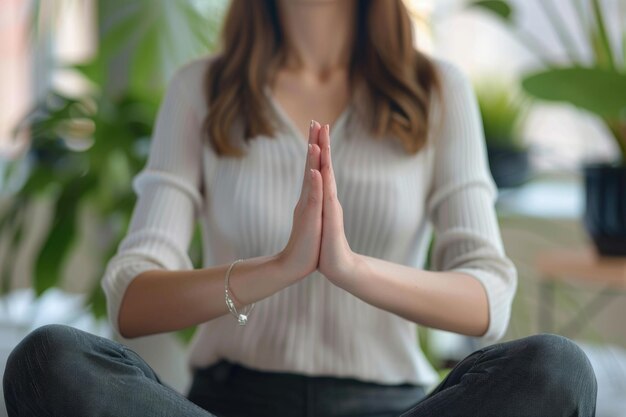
(398, 79)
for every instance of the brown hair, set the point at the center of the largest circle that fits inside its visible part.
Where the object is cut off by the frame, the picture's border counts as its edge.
(398, 78)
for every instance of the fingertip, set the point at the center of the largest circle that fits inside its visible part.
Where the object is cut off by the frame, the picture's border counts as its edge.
(315, 132)
(312, 131)
(324, 135)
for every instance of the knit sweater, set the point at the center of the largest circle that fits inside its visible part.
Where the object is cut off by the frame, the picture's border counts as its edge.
(392, 203)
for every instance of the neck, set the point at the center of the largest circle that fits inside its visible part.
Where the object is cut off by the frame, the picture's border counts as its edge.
(320, 34)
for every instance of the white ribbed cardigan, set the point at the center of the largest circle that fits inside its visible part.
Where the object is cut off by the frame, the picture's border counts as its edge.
(392, 202)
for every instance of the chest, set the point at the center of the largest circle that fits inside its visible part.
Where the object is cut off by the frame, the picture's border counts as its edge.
(382, 192)
(298, 102)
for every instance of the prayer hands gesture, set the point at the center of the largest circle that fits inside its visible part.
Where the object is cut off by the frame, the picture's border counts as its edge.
(318, 240)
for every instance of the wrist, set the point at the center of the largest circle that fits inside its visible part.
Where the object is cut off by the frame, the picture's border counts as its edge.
(249, 280)
(285, 266)
(352, 271)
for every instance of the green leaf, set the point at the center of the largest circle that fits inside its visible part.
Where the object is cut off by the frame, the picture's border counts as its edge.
(61, 235)
(94, 70)
(599, 52)
(195, 247)
(16, 239)
(9, 217)
(500, 8)
(503, 109)
(185, 335)
(624, 47)
(602, 35)
(38, 182)
(97, 302)
(597, 90)
(15, 233)
(55, 249)
(147, 40)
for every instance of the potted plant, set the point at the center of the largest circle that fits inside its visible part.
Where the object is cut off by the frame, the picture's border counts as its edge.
(503, 109)
(83, 151)
(597, 85)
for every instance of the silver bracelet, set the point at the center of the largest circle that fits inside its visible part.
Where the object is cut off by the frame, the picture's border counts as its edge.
(242, 318)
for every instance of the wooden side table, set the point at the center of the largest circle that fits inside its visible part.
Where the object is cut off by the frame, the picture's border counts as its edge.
(607, 275)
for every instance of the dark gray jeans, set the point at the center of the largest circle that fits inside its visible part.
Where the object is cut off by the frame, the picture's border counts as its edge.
(61, 371)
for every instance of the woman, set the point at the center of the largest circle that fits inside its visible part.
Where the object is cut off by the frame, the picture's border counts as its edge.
(324, 300)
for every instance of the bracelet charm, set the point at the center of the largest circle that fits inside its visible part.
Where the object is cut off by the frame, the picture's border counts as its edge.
(242, 317)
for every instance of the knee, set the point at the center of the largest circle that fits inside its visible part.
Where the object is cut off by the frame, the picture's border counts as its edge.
(557, 354)
(51, 364)
(562, 369)
(38, 355)
(48, 342)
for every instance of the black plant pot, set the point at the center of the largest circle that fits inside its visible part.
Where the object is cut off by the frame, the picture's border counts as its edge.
(605, 207)
(509, 167)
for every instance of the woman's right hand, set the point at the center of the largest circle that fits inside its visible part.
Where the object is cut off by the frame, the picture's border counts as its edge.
(301, 254)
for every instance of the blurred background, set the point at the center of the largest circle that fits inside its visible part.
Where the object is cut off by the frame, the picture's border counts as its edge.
(81, 81)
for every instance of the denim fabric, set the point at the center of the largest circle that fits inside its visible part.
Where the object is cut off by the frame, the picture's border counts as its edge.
(540, 376)
(61, 371)
(231, 390)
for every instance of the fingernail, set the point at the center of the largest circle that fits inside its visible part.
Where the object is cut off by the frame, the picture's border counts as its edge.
(312, 124)
(312, 173)
(327, 128)
(310, 147)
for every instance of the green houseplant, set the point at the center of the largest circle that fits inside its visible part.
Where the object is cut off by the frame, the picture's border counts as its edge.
(597, 86)
(84, 151)
(504, 110)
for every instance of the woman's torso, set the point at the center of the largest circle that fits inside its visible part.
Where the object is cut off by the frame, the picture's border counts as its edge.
(314, 327)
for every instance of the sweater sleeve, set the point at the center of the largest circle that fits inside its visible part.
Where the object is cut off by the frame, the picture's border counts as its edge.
(168, 199)
(461, 201)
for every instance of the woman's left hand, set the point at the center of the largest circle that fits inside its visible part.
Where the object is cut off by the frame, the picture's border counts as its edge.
(337, 262)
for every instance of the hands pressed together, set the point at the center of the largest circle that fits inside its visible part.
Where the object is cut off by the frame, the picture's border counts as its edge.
(318, 240)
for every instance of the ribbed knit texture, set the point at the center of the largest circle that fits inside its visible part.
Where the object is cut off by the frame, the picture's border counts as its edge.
(391, 200)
